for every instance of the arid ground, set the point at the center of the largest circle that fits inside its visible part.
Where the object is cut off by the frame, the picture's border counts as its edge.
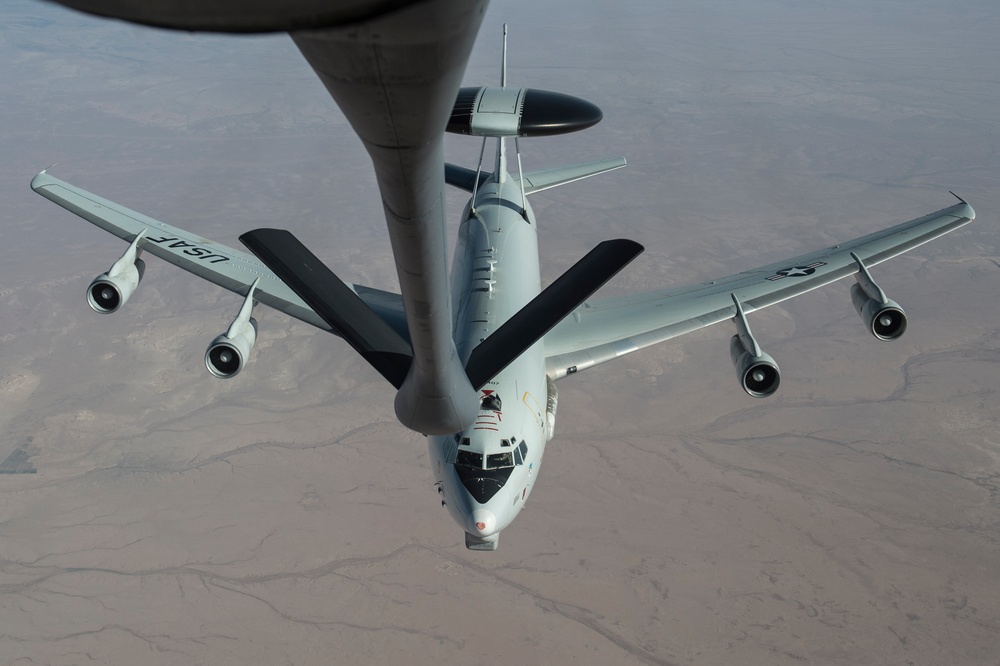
(152, 514)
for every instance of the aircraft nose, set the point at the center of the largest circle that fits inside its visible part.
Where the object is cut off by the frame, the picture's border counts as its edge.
(483, 522)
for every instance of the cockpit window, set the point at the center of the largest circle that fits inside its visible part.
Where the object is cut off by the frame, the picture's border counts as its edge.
(518, 460)
(469, 459)
(498, 460)
(464, 442)
(504, 442)
(524, 449)
(490, 403)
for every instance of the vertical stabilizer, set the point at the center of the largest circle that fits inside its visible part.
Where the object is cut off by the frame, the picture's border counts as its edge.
(503, 62)
(500, 168)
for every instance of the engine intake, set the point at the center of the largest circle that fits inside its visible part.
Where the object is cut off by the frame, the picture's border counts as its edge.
(758, 374)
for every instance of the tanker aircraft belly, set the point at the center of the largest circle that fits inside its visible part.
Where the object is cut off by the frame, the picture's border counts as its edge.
(484, 390)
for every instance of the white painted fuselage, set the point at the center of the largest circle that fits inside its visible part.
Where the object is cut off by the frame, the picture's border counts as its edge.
(485, 472)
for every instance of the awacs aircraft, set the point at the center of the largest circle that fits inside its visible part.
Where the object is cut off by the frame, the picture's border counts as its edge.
(508, 339)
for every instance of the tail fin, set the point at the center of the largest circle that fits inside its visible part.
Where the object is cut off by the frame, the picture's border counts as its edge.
(503, 63)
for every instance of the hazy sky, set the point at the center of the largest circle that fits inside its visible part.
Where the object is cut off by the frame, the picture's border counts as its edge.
(284, 517)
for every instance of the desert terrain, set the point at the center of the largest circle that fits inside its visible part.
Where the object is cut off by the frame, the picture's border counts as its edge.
(152, 514)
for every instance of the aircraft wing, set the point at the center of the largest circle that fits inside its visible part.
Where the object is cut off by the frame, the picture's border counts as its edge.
(230, 269)
(602, 330)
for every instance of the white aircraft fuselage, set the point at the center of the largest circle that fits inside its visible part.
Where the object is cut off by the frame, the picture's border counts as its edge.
(485, 472)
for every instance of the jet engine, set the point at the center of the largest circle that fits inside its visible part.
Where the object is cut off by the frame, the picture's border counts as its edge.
(228, 353)
(109, 291)
(758, 373)
(886, 321)
(883, 317)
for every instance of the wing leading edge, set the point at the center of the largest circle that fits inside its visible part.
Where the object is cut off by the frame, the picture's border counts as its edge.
(221, 265)
(603, 330)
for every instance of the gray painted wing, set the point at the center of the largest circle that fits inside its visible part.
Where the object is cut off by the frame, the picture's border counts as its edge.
(230, 269)
(602, 330)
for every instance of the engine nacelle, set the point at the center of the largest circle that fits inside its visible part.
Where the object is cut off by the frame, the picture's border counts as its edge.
(226, 356)
(229, 352)
(886, 320)
(109, 291)
(759, 375)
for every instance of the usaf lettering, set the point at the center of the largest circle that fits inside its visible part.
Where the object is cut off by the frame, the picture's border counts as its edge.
(193, 250)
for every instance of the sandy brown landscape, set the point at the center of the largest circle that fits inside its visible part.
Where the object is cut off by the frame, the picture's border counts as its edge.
(152, 514)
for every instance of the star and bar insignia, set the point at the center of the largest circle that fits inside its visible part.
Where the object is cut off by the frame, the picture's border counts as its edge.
(797, 271)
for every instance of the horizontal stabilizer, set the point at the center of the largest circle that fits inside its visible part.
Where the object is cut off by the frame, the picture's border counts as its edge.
(536, 181)
(547, 309)
(377, 342)
(545, 179)
(462, 177)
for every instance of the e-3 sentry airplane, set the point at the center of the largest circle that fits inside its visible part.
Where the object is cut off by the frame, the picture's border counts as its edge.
(512, 339)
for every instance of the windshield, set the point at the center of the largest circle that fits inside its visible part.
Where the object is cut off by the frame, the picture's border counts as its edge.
(469, 459)
(497, 460)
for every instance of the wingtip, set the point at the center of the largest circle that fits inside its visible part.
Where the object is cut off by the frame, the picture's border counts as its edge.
(972, 211)
(39, 178)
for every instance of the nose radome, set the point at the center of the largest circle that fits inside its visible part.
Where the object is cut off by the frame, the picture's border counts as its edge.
(483, 522)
